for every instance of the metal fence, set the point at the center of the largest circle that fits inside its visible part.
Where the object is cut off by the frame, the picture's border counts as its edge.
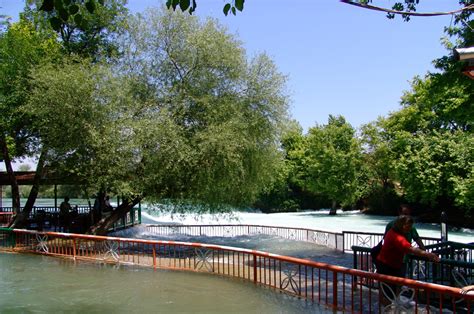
(47, 217)
(370, 239)
(335, 287)
(325, 238)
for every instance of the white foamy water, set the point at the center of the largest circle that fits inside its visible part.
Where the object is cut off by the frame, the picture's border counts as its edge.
(318, 220)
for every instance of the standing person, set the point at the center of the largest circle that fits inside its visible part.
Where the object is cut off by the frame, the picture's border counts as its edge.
(395, 247)
(64, 213)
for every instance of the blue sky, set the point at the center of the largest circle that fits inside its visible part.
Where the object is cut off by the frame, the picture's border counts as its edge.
(340, 59)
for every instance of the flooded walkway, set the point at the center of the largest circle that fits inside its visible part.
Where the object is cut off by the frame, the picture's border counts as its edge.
(265, 243)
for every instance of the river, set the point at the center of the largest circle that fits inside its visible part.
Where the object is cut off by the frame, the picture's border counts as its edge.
(318, 220)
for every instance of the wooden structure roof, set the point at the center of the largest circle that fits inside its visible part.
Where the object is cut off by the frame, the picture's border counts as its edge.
(27, 178)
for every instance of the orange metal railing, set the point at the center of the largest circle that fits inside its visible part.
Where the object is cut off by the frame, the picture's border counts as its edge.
(337, 287)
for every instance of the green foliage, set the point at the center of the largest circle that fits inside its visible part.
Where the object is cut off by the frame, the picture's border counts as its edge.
(22, 48)
(24, 191)
(186, 5)
(184, 116)
(24, 167)
(74, 104)
(86, 27)
(441, 101)
(334, 161)
(437, 167)
(410, 6)
(62, 11)
(222, 113)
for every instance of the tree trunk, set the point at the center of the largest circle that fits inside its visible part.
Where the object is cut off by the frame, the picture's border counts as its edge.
(333, 208)
(11, 175)
(21, 219)
(104, 224)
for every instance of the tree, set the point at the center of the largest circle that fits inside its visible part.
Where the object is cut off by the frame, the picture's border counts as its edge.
(92, 36)
(21, 49)
(182, 117)
(84, 28)
(378, 158)
(436, 169)
(334, 161)
(430, 137)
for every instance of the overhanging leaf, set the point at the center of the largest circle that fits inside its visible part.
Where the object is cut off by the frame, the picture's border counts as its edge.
(239, 4)
(226, 9)
(184, 4)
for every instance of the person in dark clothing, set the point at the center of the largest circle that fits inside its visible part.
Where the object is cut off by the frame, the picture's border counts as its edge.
(64, 213)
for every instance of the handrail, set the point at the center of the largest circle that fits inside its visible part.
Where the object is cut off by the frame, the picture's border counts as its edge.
(339, 241)
(326, 238)
(334, 286)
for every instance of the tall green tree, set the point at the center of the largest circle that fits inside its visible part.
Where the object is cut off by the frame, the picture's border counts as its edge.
(334, 161)
(431, 136)
(90, 36)
(22, 48)
(183, 116)
(437, 169)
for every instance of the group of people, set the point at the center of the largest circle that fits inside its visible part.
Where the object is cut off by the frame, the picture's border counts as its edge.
(102, 207)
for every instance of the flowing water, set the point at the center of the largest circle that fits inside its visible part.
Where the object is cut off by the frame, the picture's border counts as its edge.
(318, 220)
(39, 284)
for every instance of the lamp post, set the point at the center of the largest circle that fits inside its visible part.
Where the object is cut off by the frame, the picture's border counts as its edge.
(444, 227)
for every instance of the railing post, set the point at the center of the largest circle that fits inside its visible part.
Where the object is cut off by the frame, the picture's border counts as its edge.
(334, 290)
(154, 256)
(254, 268)
(74, 248)
(343, 241)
